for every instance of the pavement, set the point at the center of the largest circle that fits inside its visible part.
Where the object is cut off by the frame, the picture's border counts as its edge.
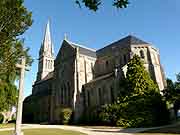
(88, 130)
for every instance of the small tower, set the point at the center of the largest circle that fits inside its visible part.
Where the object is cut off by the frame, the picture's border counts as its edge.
(46, 55)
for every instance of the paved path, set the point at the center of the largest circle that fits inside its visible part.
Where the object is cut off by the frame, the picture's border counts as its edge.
(89, 131)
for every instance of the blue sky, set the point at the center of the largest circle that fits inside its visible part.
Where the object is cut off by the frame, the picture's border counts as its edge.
(154, 21)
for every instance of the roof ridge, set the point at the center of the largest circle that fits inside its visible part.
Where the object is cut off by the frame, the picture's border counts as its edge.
(72, 43)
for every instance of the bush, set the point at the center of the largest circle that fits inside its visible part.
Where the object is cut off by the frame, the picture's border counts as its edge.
(136, 111)
(141, 105)
(1, 118)
(65, 115)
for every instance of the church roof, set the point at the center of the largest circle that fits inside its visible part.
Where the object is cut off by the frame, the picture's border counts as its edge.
(125, 42)
(132, 40)
(84, 50)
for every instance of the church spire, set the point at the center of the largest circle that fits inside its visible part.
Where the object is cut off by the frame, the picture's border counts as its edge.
(47, 46)
(46, 55)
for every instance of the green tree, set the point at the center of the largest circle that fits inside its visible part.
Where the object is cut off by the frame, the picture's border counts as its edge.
(8, 93)
(141, 105)
(138, 79)
(15, 19)
(94, 4)
(172, 93)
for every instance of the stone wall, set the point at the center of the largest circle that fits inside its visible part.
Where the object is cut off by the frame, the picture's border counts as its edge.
(63, 91)
(37, 106)
(150, 56)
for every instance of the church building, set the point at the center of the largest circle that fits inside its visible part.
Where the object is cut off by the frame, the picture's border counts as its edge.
(80, 77)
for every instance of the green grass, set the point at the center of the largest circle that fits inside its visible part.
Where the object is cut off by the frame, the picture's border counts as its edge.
(9, 125)
(174, 130)
(44, 132)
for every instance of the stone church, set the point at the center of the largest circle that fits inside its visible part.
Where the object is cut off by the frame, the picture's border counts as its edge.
(80, 77)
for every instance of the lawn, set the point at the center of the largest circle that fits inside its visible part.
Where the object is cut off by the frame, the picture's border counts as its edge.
(44, 132)
(174, 130)
(9, 125)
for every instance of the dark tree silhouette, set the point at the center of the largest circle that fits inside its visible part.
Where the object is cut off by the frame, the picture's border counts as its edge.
(94, 4)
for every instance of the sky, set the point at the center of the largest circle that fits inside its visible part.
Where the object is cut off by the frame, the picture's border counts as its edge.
(154, 21)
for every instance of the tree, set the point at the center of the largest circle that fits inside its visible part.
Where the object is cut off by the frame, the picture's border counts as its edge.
(142, 105)
(138, 78)
(8, 93)
(94, 4)
(172, 93)
(15, 19)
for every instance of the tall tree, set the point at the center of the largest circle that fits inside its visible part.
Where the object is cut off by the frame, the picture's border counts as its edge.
(94, 4)
(138, 78)
(172, 93)
(15, 19)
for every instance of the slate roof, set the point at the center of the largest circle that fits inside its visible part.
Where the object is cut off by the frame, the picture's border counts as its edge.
(132, 40)
(84, 50)
(127, 41)
(124, 42)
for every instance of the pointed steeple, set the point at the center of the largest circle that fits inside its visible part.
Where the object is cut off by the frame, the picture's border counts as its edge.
(47, 45)
(46, 55)
(47, 36)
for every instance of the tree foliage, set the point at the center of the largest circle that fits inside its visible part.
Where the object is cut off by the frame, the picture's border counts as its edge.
(8, 93)
(138, 79)
(94, 4)
(172, 93)
(15, 19)
(141, 105)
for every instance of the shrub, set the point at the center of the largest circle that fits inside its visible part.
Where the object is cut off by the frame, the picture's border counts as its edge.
(140, 104)
(136, 111)
(65, 115)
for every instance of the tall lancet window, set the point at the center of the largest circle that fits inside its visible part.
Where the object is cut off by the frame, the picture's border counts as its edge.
(142, 54)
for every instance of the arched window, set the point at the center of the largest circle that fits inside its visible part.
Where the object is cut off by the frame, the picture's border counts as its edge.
(142, 54)
(112, 94)
(69, 93)
(107, 64)
(50, 66)
(100, 96)
(65, 93)
(46, 64)
(125, 59)
(62, 95)
(120, 61)
(88, 98)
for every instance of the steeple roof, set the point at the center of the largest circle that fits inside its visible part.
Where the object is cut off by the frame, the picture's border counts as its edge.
(47, 45)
